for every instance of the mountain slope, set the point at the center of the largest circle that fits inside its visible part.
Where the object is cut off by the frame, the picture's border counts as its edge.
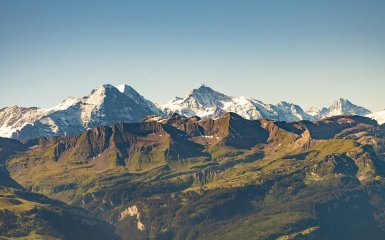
(28, 215)
(193, 178)
(105, 105)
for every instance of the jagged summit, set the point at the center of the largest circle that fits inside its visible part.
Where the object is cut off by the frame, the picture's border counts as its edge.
(139, 99)
(128, 90)
(344, 106)
(122, 87)
(204, 90)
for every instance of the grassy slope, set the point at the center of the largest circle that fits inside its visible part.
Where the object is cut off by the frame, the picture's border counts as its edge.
(290, 188)
(25, 215)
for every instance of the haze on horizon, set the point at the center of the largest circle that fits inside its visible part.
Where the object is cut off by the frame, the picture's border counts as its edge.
(305, 52)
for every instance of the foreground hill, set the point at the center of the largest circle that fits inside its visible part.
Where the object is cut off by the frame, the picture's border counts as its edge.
(26, 215)
(192, 178)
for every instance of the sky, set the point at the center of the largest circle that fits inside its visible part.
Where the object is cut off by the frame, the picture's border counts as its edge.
(306, 52)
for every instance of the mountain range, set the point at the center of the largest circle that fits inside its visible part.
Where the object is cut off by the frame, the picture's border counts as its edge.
(108, 105)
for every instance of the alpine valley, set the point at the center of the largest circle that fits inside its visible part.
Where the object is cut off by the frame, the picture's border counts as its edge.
(114, 165)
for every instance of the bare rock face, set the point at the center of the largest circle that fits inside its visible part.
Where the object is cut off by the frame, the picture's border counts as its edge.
(132, 211)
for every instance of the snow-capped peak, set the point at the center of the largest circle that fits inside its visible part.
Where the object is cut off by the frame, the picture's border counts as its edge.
(105, 105)
(205, 96)
(340, 106)
(202, 101)
(343, 106)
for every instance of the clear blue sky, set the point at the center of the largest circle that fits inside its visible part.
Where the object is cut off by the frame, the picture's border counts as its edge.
(306, 52)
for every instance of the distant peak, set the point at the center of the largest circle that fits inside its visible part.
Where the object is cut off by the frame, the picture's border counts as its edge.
(130, 92)
(121, 87)
(204, 90)
(204, 87)
(107, 86)
(102, 88)
(204, 93)
(124, 88)
(342, 101)
(111, 89)
(343, 106)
